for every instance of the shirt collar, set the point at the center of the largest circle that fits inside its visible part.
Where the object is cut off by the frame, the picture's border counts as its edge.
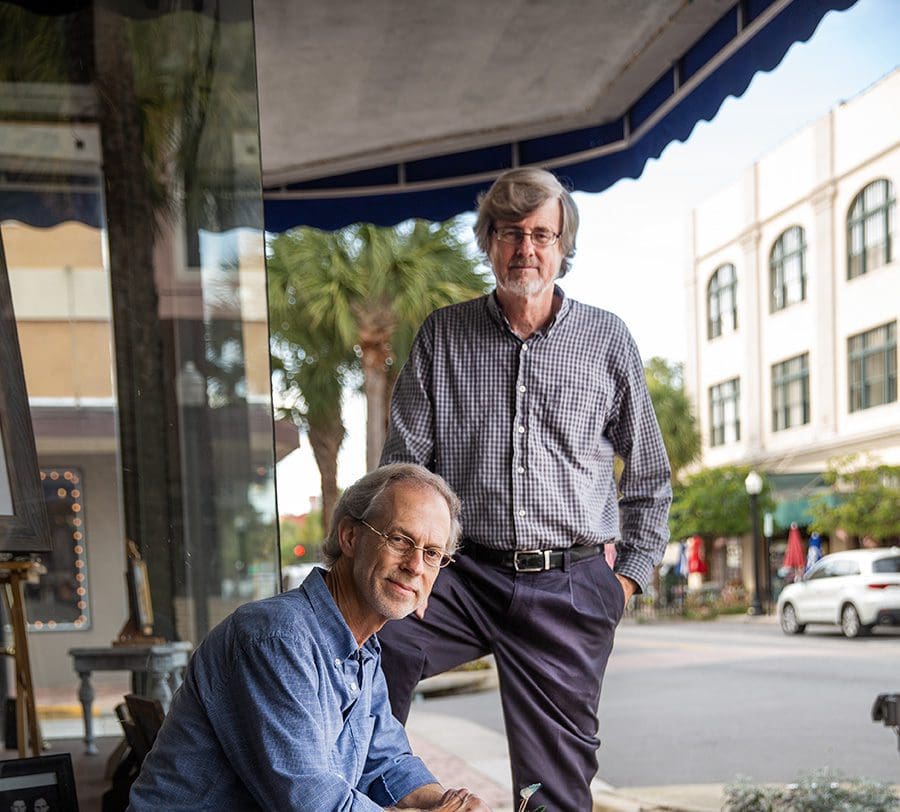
(338, 637)
(497, 314)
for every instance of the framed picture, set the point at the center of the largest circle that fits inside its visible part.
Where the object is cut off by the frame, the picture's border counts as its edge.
(139, 591)
(138, 629)
(24, 527)
(41, 784)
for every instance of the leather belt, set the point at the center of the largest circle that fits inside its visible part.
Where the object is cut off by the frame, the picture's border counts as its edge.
(529, 560)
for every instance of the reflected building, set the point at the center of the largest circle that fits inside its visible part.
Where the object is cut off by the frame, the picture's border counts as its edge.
(131, 221)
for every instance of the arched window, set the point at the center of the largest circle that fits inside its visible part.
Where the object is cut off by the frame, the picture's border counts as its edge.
(721, 302)
(870, 229)
(787, 269)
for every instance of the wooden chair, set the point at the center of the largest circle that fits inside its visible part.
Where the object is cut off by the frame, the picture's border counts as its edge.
(147, 716)
(140, 717)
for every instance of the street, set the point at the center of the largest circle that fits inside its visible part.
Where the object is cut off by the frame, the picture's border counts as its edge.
(705, 702)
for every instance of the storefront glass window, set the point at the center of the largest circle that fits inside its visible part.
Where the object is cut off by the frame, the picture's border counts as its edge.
(131, 220)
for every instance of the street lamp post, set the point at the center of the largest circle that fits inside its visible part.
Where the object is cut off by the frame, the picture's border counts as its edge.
(754, 483)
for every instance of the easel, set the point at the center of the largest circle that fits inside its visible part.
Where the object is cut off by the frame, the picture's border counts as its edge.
(12, 575)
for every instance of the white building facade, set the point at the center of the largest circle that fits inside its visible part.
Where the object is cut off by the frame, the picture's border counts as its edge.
(794, 298)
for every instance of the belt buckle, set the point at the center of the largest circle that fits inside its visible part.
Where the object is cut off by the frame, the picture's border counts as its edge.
(543, 557)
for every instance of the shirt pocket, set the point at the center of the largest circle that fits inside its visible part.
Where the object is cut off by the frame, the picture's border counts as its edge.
(574, 416)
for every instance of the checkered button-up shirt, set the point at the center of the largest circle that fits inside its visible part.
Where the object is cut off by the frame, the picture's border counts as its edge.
(526, 430)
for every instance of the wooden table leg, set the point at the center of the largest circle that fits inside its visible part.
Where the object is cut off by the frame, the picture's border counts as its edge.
(86, 697)
(159, 688)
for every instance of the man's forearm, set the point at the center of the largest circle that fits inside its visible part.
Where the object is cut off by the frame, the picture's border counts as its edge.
(427, 797)
(435, 797)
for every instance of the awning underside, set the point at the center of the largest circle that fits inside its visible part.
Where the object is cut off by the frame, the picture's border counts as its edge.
(593, 93)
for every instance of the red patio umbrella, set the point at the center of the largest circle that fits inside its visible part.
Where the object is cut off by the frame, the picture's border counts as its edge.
(794, 557)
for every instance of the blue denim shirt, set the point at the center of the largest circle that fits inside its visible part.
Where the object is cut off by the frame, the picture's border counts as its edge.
(281, 710)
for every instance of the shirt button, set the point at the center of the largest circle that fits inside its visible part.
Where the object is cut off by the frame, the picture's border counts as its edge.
(354, 688)
(520, 469)
(524, 346)
(521, 429)
(521, 511)
(337, 660)
(521, 388)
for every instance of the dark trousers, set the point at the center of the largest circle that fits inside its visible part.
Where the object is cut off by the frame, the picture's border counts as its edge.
(551, 634)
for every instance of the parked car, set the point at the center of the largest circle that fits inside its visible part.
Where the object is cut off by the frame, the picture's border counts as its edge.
(856, 590)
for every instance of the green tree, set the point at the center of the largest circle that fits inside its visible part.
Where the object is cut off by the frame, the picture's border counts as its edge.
(867, 504)
(674, 413)
(309, 535)
(365, 290)
(714, 502)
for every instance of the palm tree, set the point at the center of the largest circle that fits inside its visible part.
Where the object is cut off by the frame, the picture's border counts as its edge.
(368, 289)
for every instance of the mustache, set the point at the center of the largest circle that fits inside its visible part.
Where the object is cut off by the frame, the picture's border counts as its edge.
(404, 581)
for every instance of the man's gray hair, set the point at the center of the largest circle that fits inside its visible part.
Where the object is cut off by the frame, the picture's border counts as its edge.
(367, 497)
(516, 194)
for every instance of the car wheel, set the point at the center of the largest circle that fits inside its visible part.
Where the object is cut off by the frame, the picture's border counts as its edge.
(851, 625)
(789, 622)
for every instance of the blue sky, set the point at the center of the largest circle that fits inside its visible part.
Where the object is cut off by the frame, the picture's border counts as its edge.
(633, 243)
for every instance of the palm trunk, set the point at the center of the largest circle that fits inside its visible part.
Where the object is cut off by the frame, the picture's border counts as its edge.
(374, 365)
(325, 438)
(390, 379)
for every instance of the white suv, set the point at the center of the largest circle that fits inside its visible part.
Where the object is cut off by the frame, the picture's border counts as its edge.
(856, 590)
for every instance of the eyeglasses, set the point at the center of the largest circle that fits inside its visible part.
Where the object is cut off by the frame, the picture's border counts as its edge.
(512, 235)
(404, 547)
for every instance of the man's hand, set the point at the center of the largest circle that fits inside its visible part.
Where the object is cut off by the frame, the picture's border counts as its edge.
(461, 800)
(629, 587)
(453, 800)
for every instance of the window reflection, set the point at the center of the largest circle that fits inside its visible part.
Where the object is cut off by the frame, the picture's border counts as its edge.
(59, 599)
(131, 214)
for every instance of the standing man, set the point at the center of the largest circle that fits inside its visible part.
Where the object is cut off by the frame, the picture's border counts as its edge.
(284, 706)
(521, 400)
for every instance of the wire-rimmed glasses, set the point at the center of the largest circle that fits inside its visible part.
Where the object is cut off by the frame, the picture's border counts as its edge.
(513, 235)
(404, 547)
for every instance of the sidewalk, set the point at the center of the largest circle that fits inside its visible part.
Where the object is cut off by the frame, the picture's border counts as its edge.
(463, 753)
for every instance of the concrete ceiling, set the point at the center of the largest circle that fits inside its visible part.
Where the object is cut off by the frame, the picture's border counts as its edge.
(345, 86)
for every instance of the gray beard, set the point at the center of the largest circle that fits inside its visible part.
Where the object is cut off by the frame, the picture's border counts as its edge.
(525, 289)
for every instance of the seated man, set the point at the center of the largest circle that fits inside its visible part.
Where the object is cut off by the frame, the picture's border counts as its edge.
(284, 706)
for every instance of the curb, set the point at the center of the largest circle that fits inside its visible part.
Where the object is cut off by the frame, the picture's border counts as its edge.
(460, 681)
(678, 798)
(67, 711)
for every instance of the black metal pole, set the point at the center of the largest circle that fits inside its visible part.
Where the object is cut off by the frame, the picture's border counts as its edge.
(756, 607)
